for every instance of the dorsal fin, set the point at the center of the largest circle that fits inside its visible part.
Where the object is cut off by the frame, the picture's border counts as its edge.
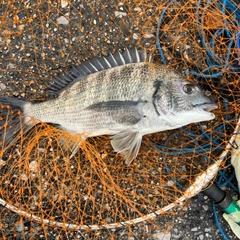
(86, 68)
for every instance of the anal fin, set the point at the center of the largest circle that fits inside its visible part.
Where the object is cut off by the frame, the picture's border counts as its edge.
(127, 143)
(70, 143)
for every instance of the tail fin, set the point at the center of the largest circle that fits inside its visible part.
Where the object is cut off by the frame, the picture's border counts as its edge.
(11, 120)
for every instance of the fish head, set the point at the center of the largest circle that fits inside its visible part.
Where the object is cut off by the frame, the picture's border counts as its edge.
(182, 102)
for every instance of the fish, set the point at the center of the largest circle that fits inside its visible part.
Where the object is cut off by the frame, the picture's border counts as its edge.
(125, 95)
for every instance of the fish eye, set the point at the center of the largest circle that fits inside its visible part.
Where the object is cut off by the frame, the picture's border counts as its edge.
(189, 88)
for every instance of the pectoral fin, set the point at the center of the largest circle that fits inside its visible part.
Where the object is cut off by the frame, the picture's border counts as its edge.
(124, 112)
(127, 143)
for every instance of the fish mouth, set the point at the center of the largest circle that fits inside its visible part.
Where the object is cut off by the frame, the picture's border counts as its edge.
(207, 106)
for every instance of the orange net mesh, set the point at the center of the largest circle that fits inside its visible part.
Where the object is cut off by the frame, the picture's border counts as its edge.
(46, 194)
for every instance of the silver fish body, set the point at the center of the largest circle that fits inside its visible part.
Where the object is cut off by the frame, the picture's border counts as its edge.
(125, 97)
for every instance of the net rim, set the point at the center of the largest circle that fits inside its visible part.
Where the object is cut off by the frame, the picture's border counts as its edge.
(197, 186)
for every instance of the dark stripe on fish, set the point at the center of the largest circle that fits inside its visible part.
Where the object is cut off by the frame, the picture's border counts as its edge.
(156, 97)
(163, 99)
(112, 104)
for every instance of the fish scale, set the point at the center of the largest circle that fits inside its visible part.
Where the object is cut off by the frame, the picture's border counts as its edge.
(124, 96)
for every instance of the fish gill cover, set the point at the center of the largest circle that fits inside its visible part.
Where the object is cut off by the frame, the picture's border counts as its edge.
(46, 194)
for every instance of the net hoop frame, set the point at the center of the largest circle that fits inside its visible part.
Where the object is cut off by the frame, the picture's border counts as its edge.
(200, 182)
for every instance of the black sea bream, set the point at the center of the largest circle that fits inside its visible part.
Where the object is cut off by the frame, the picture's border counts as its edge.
(123, 95)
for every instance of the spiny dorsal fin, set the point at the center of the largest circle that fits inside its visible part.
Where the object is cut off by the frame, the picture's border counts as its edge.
(86, 68)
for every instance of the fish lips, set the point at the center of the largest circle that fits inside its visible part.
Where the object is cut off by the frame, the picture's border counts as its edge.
(206, 106)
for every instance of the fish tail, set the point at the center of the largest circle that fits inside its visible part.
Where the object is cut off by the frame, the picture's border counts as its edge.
(12, 119)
